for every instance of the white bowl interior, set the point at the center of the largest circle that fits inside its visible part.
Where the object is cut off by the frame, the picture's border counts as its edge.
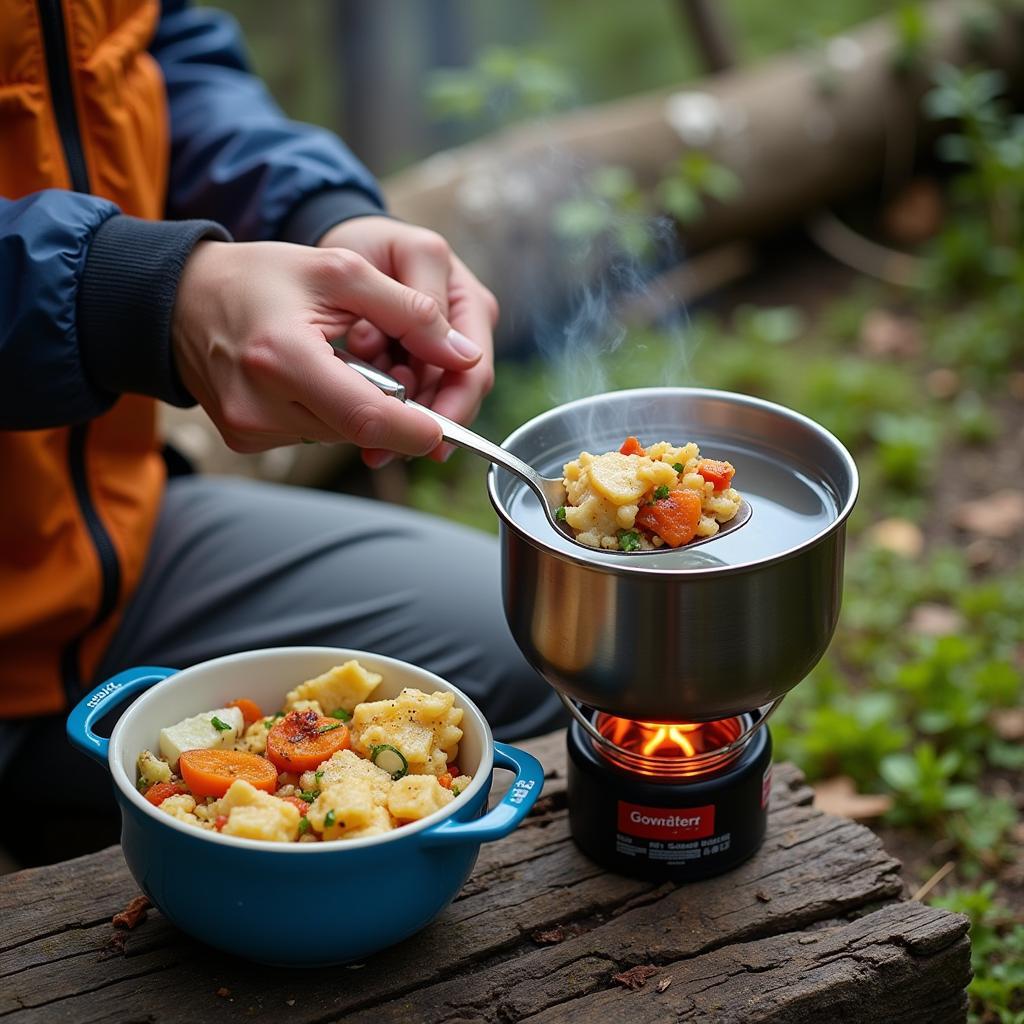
(265, 676)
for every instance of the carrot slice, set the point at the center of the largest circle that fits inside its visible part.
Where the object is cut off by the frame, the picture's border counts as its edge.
(716, 472)
(303, 739)
(160, 791)
(251, 711)
(674, 519)
(211, 772)
(632, 446)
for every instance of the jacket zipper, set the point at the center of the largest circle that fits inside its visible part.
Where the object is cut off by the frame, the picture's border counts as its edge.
(55, 43)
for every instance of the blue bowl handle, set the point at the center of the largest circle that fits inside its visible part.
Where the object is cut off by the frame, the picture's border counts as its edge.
(503, 817)
(91, 708)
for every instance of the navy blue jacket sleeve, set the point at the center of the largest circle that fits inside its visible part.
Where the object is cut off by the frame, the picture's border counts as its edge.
(235, 157)
(86, 296)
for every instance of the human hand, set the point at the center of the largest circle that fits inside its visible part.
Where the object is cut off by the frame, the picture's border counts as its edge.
(250, 335)
(422, 260)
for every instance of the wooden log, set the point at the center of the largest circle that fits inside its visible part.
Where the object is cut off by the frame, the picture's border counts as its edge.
(787, 918)
(801, 130)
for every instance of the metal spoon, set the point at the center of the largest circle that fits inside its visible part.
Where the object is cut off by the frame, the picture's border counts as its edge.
(550, 491)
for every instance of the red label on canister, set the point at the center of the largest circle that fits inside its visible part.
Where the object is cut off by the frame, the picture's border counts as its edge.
(666, 822)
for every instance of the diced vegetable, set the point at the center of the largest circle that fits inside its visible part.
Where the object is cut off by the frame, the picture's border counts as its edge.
(560, 513)
(251, 711)
(220, 821)
(160, 791)
(445, 780)
(674, 519)
(629, 540)
(390, 759)
(632, 446)
(345, 716)
(302, 805)
(661, 492)
(678, 467)
(454, 771)
(211, 772)
(715, 472)
(200, 732)
(302, 740)
(152, 769)
(303, 825)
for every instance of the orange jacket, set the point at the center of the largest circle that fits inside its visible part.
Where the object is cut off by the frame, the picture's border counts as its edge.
(52, 581)
(115, 114)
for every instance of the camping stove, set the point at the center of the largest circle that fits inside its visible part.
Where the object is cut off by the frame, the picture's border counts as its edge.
(677, 801)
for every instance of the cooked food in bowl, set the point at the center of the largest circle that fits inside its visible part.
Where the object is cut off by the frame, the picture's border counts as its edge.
(639, 499)
(329, 765)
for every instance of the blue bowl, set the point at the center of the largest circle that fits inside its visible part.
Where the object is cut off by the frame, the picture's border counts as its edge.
(295, 904)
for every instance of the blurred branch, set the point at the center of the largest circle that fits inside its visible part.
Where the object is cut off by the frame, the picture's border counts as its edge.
(849, 247)
(707, 22)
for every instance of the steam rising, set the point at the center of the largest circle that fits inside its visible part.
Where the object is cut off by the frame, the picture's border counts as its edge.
(616, 302)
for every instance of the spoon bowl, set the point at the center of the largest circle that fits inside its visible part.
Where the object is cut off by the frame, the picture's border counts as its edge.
(550, 491)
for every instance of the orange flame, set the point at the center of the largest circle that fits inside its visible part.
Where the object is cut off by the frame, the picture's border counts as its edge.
(667, 745)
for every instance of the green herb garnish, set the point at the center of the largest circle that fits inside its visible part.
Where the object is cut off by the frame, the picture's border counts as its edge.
(329, 819)
(328, 728)
(219, 725)
(560, 513)
(309, 795)
(677, 466)
(629, 541)
(303, 826)
(456, 791)
(318, 774)
(341, 713)
(661, 492)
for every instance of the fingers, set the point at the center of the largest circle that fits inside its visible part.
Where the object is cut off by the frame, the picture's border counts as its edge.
(423, 261)
(354, 410)
(401, 312)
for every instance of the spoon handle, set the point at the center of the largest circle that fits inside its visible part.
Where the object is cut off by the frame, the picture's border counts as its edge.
(452, 432)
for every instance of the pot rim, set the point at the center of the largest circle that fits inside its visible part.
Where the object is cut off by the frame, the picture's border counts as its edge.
(636, 567)
(480, 778)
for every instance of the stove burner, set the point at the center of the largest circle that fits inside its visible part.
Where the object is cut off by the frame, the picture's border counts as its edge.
(665, 800)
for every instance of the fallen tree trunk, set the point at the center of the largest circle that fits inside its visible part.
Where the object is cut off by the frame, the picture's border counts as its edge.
(801, 131)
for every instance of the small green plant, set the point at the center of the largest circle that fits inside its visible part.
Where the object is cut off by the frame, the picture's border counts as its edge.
(687, 184)
(981, 832)
(907, 448)
(923, 784)
(613, 210)
(997, 954)
(911, 36)
(503, 86)
(983, 243)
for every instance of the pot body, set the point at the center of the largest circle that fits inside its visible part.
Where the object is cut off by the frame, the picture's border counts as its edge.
(295, 904)
(683, 636)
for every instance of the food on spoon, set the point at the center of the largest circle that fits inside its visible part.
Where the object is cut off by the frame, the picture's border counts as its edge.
(298, 775)
(641, 498)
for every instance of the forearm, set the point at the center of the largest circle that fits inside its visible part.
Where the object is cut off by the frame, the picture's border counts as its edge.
(85, 307)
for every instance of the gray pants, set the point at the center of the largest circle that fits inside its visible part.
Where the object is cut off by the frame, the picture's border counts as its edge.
(237, 564)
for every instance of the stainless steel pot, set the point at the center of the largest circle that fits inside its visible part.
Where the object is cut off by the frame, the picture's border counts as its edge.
(687, 636)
